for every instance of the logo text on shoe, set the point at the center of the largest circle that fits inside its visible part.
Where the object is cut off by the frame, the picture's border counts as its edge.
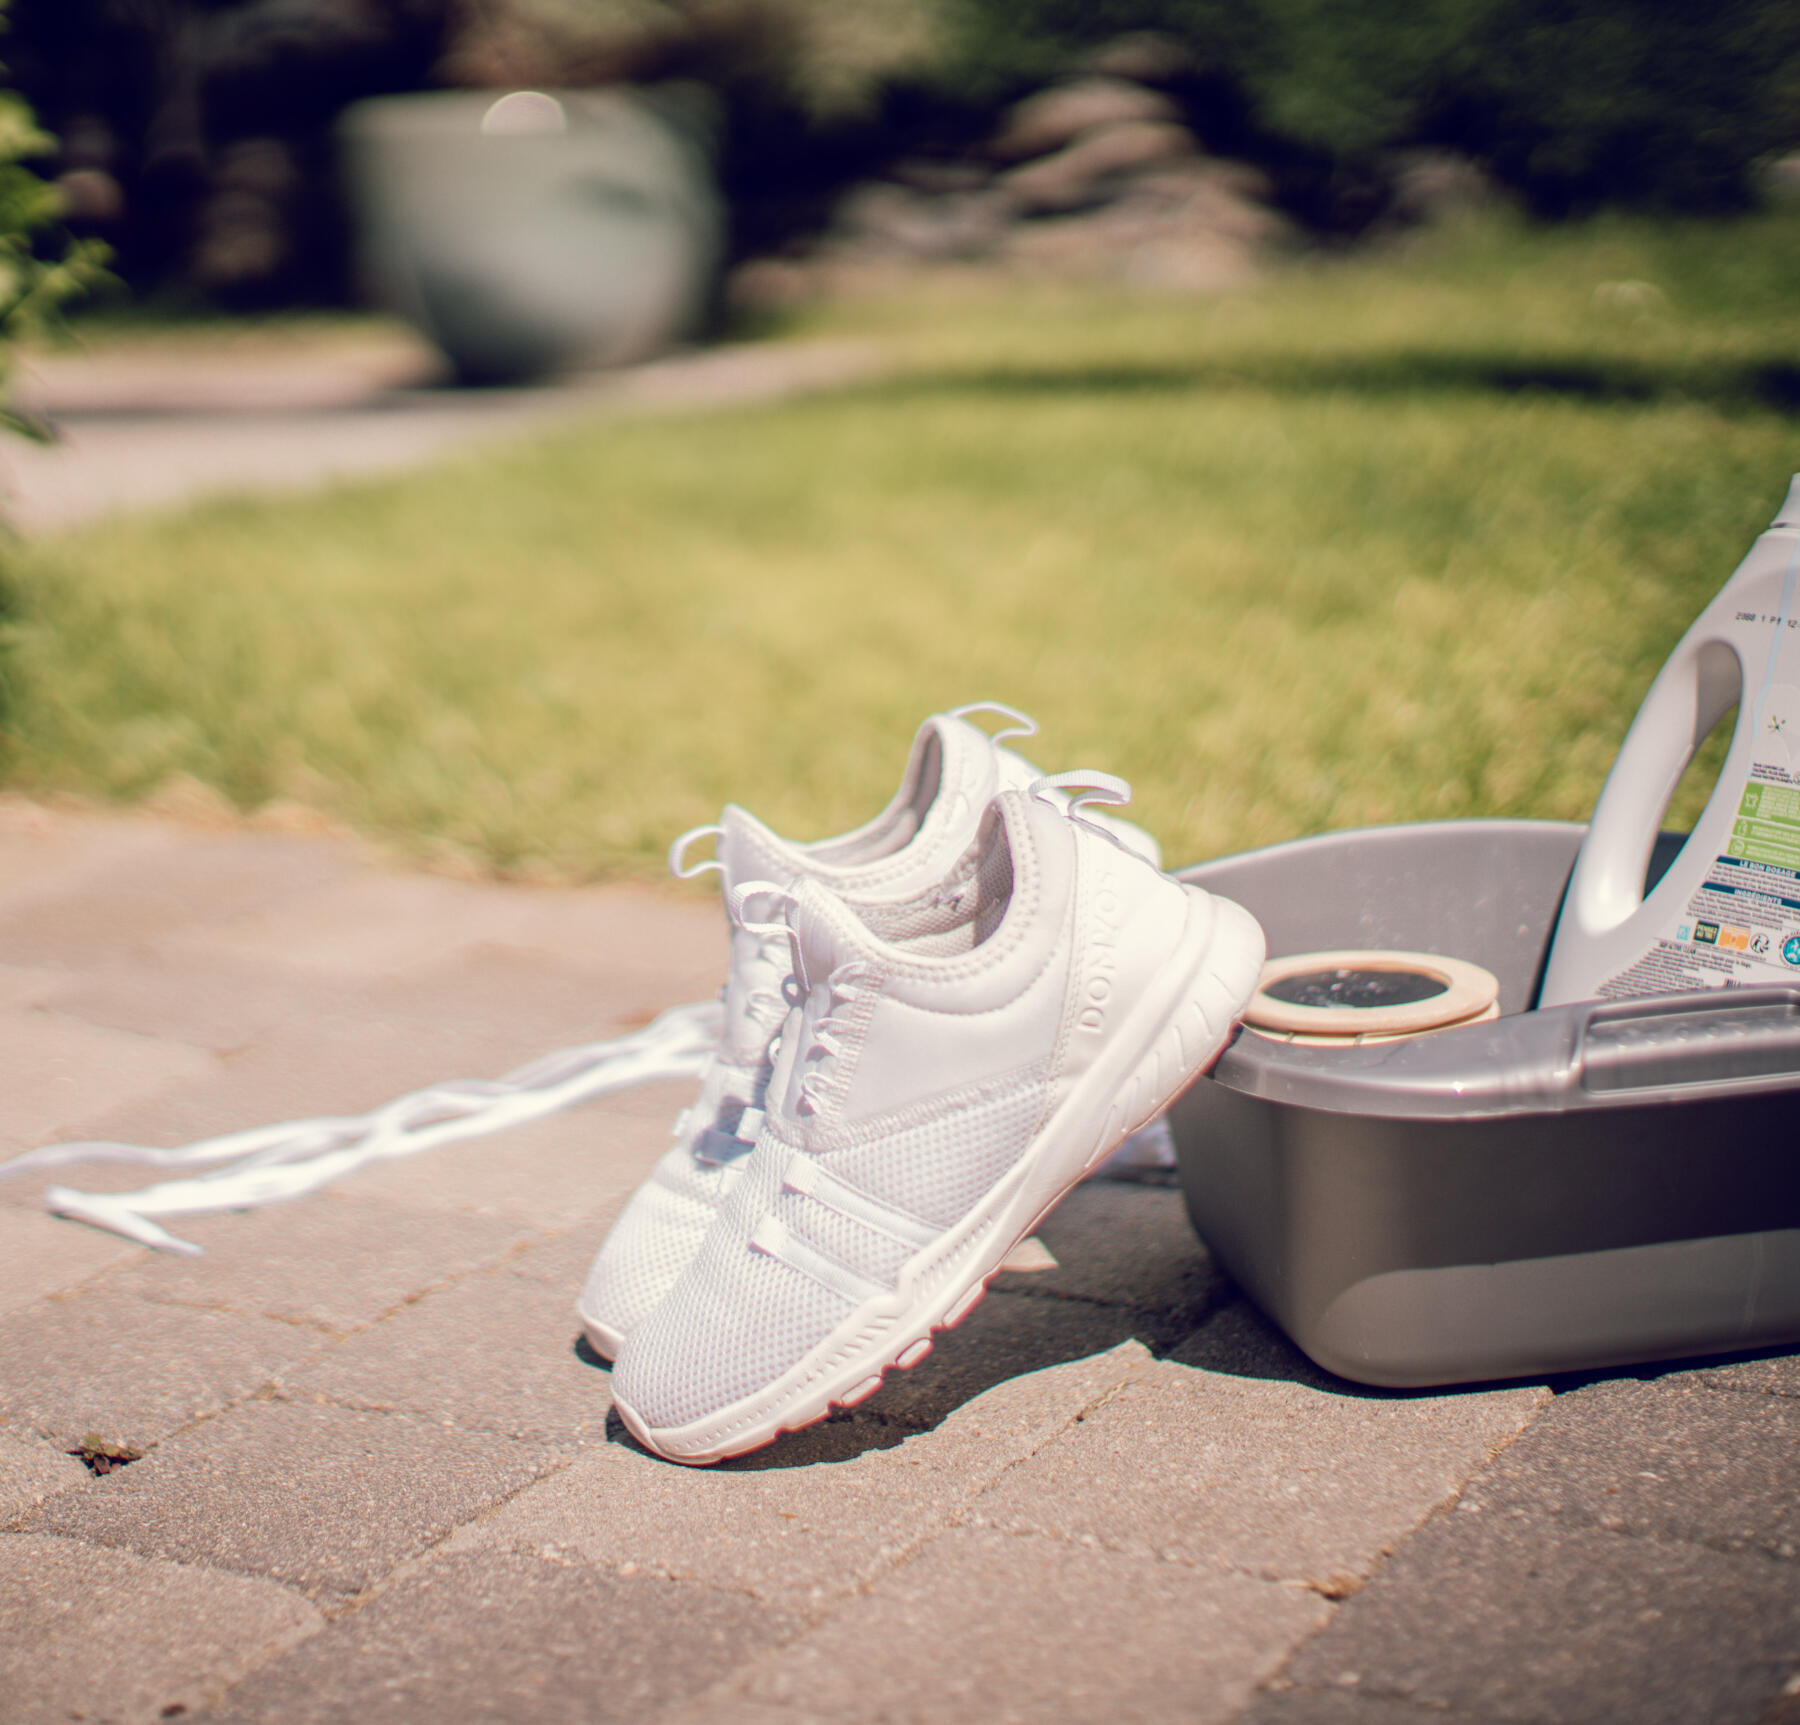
(1103, 956)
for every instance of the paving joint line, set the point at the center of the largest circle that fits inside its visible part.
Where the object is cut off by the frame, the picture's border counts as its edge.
(1384, 1557)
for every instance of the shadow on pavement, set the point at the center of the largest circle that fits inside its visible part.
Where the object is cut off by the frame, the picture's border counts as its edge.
(1129, 1268)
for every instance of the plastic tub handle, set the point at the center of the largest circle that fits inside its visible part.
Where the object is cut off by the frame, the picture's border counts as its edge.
(1681, 1040)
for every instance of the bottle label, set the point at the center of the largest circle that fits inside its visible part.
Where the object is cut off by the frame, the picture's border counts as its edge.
(1740, 927)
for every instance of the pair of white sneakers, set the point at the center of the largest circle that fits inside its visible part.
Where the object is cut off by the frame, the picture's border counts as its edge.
(934, 1027)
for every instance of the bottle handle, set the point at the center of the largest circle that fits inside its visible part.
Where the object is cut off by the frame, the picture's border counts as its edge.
(1692, 693)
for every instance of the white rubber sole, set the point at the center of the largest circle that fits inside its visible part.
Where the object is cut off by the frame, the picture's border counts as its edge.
(602, 1338)
(1172, 1035)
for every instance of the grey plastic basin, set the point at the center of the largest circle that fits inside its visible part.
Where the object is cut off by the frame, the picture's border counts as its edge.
(1595, 1185)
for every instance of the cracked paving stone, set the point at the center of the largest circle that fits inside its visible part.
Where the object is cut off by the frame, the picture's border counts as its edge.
(511, 1637)
(325, 1499)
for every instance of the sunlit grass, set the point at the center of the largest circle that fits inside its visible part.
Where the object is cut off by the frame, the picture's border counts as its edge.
(1380, 540)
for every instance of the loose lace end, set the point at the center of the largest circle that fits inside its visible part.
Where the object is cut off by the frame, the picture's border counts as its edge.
(271, 1164)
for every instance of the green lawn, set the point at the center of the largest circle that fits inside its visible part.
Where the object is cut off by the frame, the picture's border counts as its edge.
(1385, 539)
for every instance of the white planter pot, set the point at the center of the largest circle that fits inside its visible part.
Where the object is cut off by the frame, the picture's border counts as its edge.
(535, 232)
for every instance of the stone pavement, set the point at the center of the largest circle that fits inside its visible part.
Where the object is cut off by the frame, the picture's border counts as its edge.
(354, 1464)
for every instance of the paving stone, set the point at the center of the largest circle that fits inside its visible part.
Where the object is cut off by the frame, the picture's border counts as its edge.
(1667, 1461)
(31, 1471)
(47, 854)
(24, 985)
(1277, 1480)
(1345, 1706)
(815, 1515)
(218, 1005)
(514, 1638)
(132, 1371)
(46, 1254)
(312, 1066)
(366, 927)
(158, 889)
(61, 1078)
(332, 1260)
(985, 1626)
(1772, 1375)
(496, 1352)
(105, 1635)
(671, 941)
(1005, 1336)
(563, 1170)
(326, 1499)
(532, 996)
(562, 1261)
(1538, 1618)
(1128, 1244)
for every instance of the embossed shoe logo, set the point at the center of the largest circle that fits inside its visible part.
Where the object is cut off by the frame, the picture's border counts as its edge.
(1102, 963)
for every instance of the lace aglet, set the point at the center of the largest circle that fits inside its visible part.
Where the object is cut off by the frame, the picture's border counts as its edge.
(100, 1211)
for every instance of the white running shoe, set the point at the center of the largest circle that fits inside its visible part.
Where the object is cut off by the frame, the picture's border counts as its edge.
(953, 773)
(928, 1105)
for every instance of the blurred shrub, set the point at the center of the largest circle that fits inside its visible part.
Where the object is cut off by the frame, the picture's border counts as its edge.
(32, 286)
(1572, 102)
(1633, 101)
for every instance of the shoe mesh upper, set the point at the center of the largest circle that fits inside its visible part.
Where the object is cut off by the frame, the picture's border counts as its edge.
(655, 1236)
(938, 1169)
(873, 1255)
(738, 1318)
(735, 1319)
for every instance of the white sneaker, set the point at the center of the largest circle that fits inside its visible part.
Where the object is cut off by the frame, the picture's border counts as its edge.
(928, 1105)
(953, 773)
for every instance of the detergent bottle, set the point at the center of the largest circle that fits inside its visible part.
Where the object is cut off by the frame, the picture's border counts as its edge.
(1727, 912)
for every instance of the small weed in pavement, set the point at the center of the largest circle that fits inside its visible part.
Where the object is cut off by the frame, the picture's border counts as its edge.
(100, 1457)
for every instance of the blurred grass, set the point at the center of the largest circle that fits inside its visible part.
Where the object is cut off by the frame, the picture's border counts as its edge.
(1387, 539)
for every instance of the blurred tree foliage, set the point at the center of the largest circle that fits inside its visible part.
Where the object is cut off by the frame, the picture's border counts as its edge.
(32, 286)
(1573, 103)
(197, 135)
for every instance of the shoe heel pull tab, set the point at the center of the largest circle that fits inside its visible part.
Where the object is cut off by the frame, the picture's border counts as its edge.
(1023, 724)
(1080, 787)
(678, 853)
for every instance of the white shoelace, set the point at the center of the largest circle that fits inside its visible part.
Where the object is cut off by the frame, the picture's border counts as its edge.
(270, 1163)
(846, 985)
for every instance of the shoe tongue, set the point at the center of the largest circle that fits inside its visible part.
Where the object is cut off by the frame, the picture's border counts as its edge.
(747, 850)
(826, 933)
